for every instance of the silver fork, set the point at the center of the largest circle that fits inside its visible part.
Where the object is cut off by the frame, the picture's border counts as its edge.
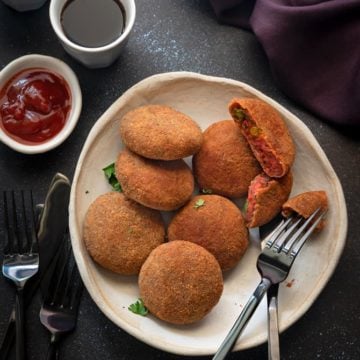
(21, 256)
(61, 298)
(274, 264)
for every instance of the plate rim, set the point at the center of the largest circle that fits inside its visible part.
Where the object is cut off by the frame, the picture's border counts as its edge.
(107, 116)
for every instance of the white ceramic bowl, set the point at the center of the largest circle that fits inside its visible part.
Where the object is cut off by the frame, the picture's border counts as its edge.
(93, 57)
(24, 5)
(56, 66)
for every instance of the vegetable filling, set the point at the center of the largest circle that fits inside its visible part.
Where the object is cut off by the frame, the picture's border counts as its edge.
(262, 151)
(260, 182)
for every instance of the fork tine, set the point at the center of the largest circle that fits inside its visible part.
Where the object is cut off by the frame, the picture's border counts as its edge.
(295, 236)
(32, 243)
(62, 279)
(72, 294)
(284, 237)
(276, 232)
(11, 236)
(68, 279)
(8, 247)
(297, 247)
(20, 223)
(24, 246)
(14, 220)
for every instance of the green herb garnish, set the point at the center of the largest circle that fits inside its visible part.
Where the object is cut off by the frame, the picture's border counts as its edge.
(245, 207)
(199, 203)
(109, 172)
(238, 113)
(138, 308)
(206, 191)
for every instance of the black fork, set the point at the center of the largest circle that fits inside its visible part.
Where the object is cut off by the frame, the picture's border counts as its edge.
(21, 255)
(61, 297)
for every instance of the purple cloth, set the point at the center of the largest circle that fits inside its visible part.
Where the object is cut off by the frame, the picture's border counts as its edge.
(313, 47)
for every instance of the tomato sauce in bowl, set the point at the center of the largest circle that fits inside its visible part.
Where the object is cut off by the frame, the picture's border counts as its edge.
(34, 105)
(40, 103)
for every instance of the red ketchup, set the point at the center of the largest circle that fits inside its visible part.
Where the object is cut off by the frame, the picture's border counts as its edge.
(34, 106)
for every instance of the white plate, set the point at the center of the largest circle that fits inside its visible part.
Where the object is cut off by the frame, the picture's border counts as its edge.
(205, 99)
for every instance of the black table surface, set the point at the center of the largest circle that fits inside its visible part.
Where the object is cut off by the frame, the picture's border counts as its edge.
(176, 35)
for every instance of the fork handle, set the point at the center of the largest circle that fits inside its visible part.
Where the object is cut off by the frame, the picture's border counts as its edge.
(19, 318)
(242, 320)
(52, 353)
(53, 350)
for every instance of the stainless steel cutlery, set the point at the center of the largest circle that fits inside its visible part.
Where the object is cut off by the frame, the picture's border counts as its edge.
(52, 220)
(274, 263)
(44, 258)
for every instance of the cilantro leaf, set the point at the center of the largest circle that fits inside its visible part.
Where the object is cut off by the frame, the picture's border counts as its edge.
(199, 203)
(109, 172)
(138, 308)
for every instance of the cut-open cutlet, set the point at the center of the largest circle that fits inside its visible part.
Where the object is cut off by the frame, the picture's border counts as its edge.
(266, 133)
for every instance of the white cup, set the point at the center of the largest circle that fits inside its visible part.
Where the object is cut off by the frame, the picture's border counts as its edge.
(24, 5)
(93, 57)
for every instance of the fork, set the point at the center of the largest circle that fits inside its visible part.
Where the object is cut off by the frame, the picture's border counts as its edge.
(61, 299)
(274, 264)
(21, 256)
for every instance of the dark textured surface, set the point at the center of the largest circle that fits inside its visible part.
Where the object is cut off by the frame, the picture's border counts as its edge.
(171, 35)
